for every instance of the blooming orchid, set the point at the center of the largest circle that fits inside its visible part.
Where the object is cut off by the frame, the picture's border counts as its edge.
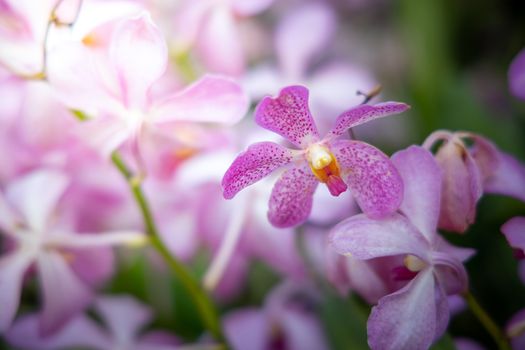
(123, 316)
(417, 314)
(372, 178)
(517, 75)
(115, 87)
(470, 171)
(27, 218)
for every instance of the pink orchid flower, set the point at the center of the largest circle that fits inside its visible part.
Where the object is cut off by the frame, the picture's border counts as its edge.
(517, 75)
(284, 322)
(27, 218)
(121, 60)
(468, 172)
(372, 178)
(417, 314)
(123, 320)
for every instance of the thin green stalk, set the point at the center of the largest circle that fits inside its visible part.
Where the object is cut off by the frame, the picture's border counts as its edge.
(487, 322)
(202, 301)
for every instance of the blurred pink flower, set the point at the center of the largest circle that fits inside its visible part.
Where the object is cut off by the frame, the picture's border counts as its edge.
(123, 320)
(417, 314)
(120, 60)
(282, 323)
(514, 231)
(27, 217)
(515, 330)
(468, 172)
(210, 27)
(368, 172)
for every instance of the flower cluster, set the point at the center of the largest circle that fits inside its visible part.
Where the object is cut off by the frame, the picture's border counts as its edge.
(164, 184)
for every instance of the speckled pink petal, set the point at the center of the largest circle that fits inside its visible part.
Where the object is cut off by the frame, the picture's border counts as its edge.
(371, 176)
(259, 160)
(517, 75)
(514, 231)
(462, 187)
(292, 197)
(409, 318)
(365, 113)
(289, 116)
(422, 188)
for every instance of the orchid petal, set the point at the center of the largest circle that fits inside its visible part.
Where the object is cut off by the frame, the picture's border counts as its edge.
(259, 160)
(12, 269)
(93, 266)
(79, 332)
(450, 273)
(514, 231)
(508, 178)
(301, 330)
(364, 238)
(250, 7)
(516, 326)
(219, 44)
(422, 188)
(462, 186)
(292, 197)
(64, 294)
(363, 114)
(296, 50)
(289, 116)
(517, 75)
(8, 218)
(139, 54)
(123, 315)
(105, 134)
(211, 99)
(247, 329)
(158, 340)
(373, 179)
(438, 135)
(93, 240)
(408, 318)
(36, 196)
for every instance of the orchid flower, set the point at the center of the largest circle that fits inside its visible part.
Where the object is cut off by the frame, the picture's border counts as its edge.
(517, 75)
(282, 323)
(515, 330)
(27, 218)
(123, 319)
(122, 59)
(211, 28)
(372, 178)
(417, 314)
(470, 171)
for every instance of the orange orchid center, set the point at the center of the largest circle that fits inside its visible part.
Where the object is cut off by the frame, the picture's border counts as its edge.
(325, 168)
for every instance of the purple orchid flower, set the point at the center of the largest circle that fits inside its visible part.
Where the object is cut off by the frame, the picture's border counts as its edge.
(417, 314)
(26, 218)
(372, 178)
(470, 171)
(123, 316)
(515, 330)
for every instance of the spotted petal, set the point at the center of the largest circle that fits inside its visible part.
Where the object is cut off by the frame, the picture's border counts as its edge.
(289, 116)
(371, 176)
(259, 160)
(292, 197)
(363, 114)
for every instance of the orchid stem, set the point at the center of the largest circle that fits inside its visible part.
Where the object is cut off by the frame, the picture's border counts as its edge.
(202, 301)
(487, 322)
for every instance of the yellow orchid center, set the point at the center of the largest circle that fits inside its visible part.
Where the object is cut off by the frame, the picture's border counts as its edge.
(325, 167)
(414, 264)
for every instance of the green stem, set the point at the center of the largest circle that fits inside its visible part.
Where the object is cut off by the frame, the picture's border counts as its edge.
(487, 322)
(202, 301)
